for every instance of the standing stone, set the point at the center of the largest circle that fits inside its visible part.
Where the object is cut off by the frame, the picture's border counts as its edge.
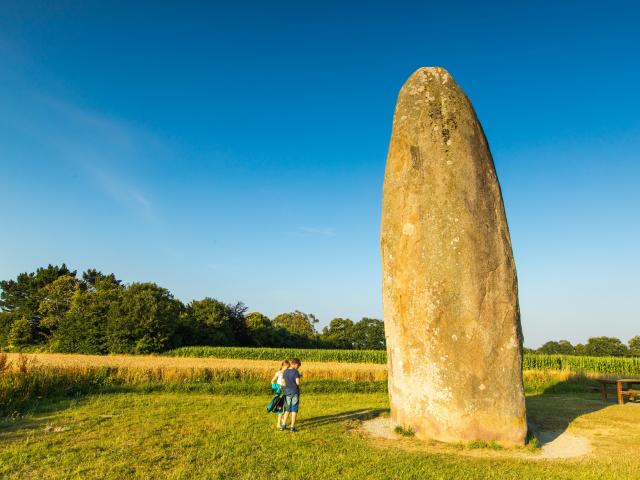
(450, 291)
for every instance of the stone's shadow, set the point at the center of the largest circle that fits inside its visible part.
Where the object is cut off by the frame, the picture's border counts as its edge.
(362, 414)
(550, 414)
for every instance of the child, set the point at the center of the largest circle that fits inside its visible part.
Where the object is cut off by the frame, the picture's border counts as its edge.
(291, 394)
(277, 384)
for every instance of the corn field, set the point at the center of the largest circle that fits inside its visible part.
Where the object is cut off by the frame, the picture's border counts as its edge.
(600, 365)
(305, 354)
(575, 363)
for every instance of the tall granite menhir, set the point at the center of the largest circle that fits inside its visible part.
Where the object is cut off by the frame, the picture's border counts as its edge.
(450, 291)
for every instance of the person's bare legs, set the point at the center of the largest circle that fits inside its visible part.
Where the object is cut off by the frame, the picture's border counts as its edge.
(293, 419)
(279, 421)
(284, 418)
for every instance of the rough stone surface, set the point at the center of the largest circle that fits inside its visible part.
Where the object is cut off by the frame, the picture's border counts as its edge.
(450, 291)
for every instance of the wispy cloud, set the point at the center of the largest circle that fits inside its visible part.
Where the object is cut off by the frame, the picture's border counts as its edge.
(109, 151)
(118, 188)
(316, 232)
(112, 154)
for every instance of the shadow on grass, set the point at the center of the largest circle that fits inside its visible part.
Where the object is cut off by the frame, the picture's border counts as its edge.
(550, 414)
(362, 414)
(37, 413)
(38, 416)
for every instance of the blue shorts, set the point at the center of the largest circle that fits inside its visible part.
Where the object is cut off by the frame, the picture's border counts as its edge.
(291, 403)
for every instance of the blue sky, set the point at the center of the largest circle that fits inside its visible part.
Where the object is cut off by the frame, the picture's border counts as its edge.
(237, 151)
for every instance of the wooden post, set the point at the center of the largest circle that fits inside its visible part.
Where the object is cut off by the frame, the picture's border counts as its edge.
(619, 392)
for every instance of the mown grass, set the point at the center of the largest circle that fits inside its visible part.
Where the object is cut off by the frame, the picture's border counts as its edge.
(155, 417)
(184, 436)
(601, 365)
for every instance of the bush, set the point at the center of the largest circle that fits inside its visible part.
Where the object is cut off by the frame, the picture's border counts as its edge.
(20, 334)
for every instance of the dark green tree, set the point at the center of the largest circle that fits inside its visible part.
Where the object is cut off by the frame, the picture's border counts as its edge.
(605, 347)
(297, 323)
(23, 295)
(55, 302)
(144, 321)
(23, 292)
(562, 347)
(339, 333)
(368, 334)
(261, 331)
(84, 327)
(7, 320)
(239, 323)
(20, 334)
(92, 276)
(211, 322)
(634, 346)
(580, 349)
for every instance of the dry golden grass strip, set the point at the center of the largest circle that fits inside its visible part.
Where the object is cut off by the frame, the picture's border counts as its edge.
(181, 368)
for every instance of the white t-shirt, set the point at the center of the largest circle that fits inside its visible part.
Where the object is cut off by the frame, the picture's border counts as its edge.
(280, 378)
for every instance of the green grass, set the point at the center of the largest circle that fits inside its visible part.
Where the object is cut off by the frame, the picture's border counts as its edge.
(101, 423)
(603, 365)
(183, 436)
(537, 382)
(476, 444)
(405, 432)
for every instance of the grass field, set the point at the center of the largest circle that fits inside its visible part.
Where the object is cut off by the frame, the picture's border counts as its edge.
(169, 435)
(80, 416)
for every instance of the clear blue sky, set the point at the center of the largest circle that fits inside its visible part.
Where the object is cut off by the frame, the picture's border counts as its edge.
(238, 151)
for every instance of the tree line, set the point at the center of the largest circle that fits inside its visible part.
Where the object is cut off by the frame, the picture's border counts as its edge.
(56, 309)
(595, 347)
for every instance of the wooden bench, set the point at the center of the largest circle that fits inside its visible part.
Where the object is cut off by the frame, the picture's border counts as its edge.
(624, 388)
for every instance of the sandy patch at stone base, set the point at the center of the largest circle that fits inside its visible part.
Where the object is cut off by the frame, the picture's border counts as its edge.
(555, 445)
(563, 445)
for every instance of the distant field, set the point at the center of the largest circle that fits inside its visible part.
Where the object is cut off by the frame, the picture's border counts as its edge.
(29, 376)
(25, 378)
(601, 365)
(305, 354)
(575, 363)
(28, 379)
